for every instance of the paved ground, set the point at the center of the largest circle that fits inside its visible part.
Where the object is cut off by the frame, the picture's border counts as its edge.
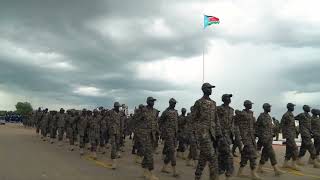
(23, 156)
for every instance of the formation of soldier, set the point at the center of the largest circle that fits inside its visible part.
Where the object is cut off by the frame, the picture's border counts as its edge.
(209, 133)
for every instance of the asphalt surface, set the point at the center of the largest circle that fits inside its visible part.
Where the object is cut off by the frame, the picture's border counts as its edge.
(24, 156)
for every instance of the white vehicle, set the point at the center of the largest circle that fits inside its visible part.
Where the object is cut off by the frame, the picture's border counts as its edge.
(2, 120)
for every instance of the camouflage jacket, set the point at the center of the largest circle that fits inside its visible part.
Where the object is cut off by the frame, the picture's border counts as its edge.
(38, 117)
(149, 116)
(276, 126)
(45, 120)
(114, 122)
(264, 127)
(94, 126)
(52, 121)
(315, 126)
(61, 120)
(182, 124)
(205, 115)
(304, 124)
(235, 122)
(288, 125)
(225, 114)
(247, 127)
(169, 121)
(83, 124)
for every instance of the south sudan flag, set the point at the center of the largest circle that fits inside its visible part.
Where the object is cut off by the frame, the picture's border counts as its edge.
(209, 20)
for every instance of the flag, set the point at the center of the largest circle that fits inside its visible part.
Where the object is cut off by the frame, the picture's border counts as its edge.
(209, 20)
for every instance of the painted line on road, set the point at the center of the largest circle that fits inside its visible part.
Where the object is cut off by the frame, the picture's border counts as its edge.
(99, 163)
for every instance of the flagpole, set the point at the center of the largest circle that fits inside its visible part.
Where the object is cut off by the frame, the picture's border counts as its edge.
(203, 46)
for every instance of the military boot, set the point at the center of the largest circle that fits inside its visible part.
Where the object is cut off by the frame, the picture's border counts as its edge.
(175, 173)
(286, 164)
(300, 162)
(114, 164)
(81, 152)
(316, 164)
(152, 176)
(146, 173)
(294, 166)
(260, 169)
(277, 170)
(51, 140)
(94, 155)
(165, 169)
(254, 175)
(240, 172)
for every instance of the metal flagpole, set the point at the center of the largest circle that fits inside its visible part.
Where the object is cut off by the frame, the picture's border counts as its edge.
(203, 54)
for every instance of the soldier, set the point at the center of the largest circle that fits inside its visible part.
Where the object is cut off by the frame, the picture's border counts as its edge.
(237, 139)
(94, 132)
(276, 128)
(289, 133)
(225, 158)
(83, 130)
(248, 138)
(192, 140)
(61, 124)
(72, 128)
(104, 135)
(38, 118)
(137, 129)
(306, 135)
(148, 137)
(53, 126)
(169, 120)
(264, 129)
(115, 118)
(208, 132)
(315, 128)
(182, 123)
(44, 124)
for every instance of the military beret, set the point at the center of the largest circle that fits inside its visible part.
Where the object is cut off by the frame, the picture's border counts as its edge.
(116, 104)
(151, 99)
(266, 105)
(172, 100)
(207, 85)
(247, 102)
(290, 105)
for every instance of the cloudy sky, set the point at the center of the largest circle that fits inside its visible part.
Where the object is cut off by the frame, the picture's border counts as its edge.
(80, 53)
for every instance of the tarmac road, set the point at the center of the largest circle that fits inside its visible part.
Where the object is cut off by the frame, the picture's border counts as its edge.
(23, 156)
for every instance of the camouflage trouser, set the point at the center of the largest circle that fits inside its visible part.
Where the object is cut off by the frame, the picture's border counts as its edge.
(277, 136)
(249, 153)
(138, 145)
(94, 138)
(192, 141)
(83, 139)
(207, 154)
(53, 132)
(182, 142)
(237, 144)
(66, 127)
(115, 145)
(225, 157)
(317, 144)
(170, 144)
(44, 130)
(104, 138)
(60, 133)
(291, 149)
(148, 146)
(72, 135)
(38, 126)
(268, 152)
(307, 145)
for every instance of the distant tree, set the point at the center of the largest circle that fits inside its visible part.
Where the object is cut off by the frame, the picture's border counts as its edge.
(23, 108)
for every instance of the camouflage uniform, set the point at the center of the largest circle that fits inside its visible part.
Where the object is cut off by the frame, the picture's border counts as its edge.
(208, 128)
(115, 130)
(248, 138)
(61, 124)
(94, 130)
(44, 124)
(72, 128)
(276, 128)
(38, 118)
(237, 139)
(225, 114)
(169, 120)
(104, 134)
(192, 139)
(138, 123)
(148, 136)
(83, 128)
(182, 133)
(315, 128)
(53, 126)
(306, 135)
(264, 130)
(289, 133)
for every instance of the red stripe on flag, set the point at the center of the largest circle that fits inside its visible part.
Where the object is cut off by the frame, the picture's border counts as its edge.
(213, 19)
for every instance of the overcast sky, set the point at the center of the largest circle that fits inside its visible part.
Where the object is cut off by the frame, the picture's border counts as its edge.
(80, 53)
